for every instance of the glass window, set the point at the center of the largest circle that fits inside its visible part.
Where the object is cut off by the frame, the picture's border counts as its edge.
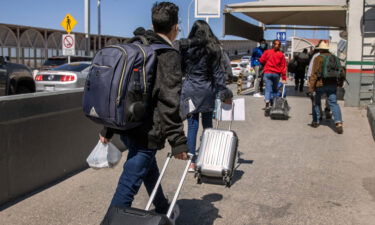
(76, 67)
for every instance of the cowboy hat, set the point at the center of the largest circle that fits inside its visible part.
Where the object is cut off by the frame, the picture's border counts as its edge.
(323, 46)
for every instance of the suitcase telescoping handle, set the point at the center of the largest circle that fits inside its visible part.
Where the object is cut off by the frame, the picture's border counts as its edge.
(221, 117)
(173, 203)
(283, 93)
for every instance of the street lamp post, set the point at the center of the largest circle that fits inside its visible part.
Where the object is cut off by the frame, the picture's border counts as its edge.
(188, 22)
(99, 27)
(87, 26)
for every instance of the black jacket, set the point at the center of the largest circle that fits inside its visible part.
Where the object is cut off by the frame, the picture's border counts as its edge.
(205, 80)
(164, 122)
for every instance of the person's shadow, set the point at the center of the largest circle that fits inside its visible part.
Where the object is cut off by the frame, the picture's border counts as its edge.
(327, 122)
(199, 211)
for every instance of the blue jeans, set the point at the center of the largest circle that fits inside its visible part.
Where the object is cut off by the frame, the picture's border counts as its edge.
(272, 80)
(193, 126)
(139, 166)
(330, 92)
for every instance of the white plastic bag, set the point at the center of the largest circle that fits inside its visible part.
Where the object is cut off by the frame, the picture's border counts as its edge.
(104, 156)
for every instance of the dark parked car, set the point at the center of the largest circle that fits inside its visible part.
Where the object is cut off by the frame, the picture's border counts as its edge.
(56, 61)
(15, 78)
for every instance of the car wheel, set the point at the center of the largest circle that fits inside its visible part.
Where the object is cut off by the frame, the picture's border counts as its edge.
(23, 90)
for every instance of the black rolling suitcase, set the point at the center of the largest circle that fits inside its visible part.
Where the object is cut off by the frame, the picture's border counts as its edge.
(132, 216)
(280, 108)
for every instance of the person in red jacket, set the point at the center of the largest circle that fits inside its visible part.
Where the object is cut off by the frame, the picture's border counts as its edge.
(274, 64)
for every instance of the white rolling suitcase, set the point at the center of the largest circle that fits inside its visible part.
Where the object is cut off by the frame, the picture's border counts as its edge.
(217, 155)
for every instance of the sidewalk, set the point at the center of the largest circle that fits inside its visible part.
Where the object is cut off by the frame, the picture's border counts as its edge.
(288, 173)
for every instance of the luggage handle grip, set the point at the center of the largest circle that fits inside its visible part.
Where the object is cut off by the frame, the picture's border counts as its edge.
(173, 203)
(221, 116)
(283, 93)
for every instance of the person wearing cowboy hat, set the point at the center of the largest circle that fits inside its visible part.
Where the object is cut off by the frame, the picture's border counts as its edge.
(326, 86)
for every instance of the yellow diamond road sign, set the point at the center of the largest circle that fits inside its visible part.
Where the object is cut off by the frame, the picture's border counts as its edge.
(68, 23)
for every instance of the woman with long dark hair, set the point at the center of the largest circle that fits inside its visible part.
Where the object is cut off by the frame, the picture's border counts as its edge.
(204, 80)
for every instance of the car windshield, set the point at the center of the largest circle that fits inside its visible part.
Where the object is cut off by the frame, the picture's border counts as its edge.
(76, 67)
(246, 57)
(234, 65)
(54, 62)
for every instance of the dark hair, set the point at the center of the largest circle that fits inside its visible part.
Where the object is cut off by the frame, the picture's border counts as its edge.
(164, 16)
(210, 44)
(262, 40)
(276, 40)
(139, 31)
(304, 50)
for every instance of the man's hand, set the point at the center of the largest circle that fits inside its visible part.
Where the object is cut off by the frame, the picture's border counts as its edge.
(103, 139)
(283, 81)
(228, 101)
(182, 156)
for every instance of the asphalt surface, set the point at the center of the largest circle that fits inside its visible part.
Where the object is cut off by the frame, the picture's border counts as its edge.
(287, 173)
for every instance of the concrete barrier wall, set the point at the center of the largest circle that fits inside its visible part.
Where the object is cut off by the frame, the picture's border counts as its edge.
(43, 137)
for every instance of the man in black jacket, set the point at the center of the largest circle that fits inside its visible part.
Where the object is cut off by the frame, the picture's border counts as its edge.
(164, 121)
(302, 62)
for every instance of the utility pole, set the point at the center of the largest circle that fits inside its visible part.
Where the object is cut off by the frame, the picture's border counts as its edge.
(87, 26)
(188, 22)
(99, 26)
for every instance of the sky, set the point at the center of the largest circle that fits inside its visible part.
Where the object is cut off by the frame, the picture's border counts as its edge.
(118, 17)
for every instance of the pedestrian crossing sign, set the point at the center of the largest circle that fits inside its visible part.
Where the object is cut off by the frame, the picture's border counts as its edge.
(68, 23)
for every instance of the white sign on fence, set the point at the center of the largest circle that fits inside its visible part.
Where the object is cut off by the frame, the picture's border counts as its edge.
(207, 8)
(68, 44)
(225, 111)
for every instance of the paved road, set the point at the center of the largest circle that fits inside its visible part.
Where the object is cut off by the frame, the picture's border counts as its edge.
(288, 173)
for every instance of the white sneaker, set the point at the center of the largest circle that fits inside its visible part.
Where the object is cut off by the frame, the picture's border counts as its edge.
(175, 214)
(191, 167)
(257, 95)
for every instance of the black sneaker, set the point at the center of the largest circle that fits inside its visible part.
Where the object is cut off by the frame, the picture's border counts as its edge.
(267, 111)
(314, 124)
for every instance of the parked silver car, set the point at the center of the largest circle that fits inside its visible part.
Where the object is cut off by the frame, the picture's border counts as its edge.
(64, 77)
(239, 67)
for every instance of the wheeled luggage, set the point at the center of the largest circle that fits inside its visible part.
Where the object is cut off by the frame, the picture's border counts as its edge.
(131, 216)
(217, 154)
(280, 108)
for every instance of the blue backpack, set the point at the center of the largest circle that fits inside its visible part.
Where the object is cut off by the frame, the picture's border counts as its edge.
(119, 85)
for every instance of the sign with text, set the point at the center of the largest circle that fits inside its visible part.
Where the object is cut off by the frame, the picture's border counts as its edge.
(68, 44)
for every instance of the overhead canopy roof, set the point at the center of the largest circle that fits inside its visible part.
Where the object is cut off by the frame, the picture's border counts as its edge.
(328, 13)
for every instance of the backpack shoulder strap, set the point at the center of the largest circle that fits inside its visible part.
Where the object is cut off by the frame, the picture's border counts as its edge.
(157, 47)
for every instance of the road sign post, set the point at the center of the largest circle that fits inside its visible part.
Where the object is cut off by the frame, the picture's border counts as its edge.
(281, 36)
(68, 45)
(68, 40)
(207, 9)
(68, 23)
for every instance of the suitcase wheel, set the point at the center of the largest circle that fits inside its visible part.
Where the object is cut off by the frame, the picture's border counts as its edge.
(199, 178)
(227, 181)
